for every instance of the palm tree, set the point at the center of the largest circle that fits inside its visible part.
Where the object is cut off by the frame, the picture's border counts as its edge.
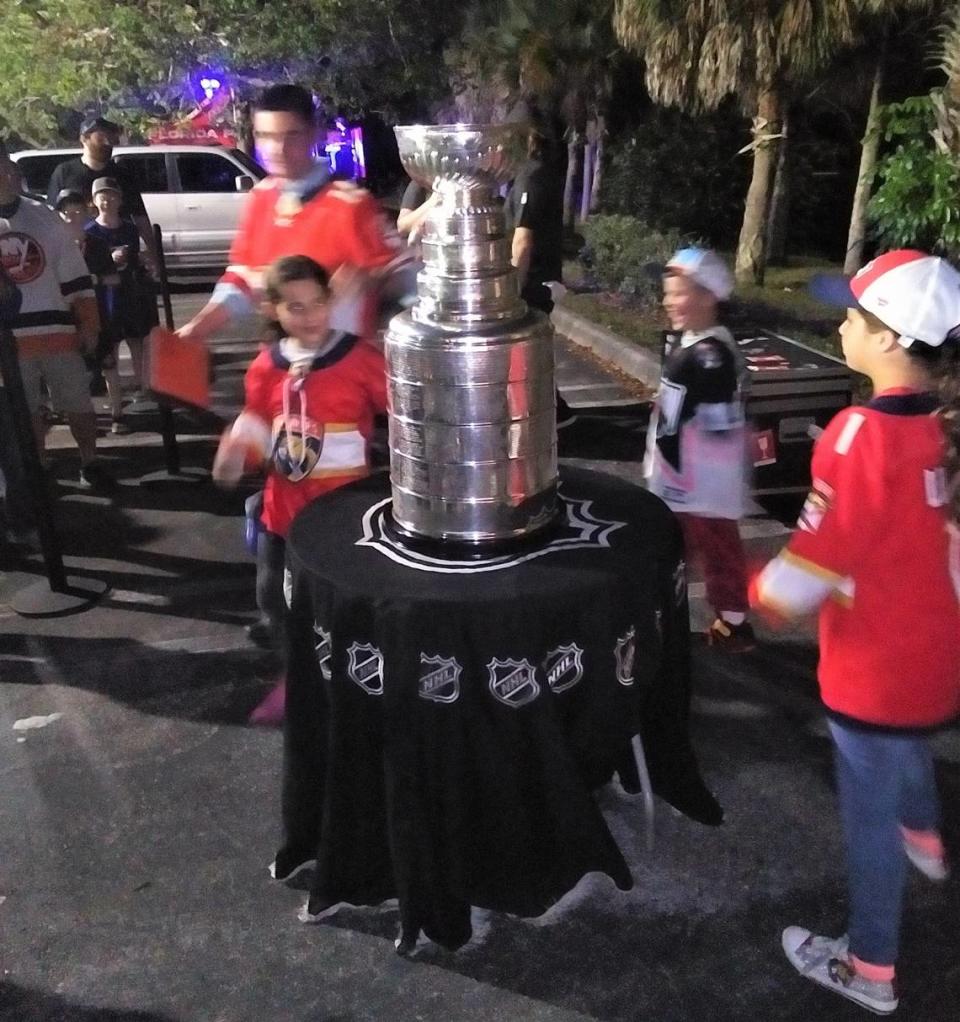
(759, 50)
(946, 103)
(556, 57)
(880, 18)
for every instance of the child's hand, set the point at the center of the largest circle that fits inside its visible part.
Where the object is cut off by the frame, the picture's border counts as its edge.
(228, 465)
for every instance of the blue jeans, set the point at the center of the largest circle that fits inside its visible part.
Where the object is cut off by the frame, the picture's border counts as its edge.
(884, 780)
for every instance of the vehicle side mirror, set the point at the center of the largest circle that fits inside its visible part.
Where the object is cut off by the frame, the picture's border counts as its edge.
(244, 183)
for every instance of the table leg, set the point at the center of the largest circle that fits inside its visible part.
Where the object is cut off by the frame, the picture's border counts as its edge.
(646, 788)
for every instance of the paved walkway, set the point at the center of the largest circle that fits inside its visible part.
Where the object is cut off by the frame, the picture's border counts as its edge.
(139, 811)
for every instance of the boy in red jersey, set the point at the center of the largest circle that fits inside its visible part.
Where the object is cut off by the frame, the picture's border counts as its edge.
(308, 415)
(298, 210)
(877, 550)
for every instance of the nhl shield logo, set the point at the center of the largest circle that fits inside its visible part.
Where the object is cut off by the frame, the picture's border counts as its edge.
(365, 667)
(324, 650)
(563, 667)
(625, 653)
(439, 679)
(513, 681)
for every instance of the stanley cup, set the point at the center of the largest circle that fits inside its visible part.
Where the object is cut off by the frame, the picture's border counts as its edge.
(473, 453)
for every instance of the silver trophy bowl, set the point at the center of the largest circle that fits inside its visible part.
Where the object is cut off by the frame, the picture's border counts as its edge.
(462, 155)
(470, 370)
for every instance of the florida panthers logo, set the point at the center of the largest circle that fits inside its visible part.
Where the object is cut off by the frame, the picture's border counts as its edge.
(513, 682)
(625, 654)
(365, 667)
(297, 449)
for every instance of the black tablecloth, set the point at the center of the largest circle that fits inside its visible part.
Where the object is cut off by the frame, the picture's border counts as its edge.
(446, 722)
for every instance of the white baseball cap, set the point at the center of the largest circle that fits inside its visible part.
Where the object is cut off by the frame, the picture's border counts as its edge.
(914, 293)
(704, 267)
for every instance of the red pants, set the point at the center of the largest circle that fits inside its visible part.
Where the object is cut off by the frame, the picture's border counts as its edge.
(715, 547)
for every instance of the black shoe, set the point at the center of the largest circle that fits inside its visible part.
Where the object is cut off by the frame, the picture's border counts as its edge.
(731, 638)
(261, 634)
(95, 477)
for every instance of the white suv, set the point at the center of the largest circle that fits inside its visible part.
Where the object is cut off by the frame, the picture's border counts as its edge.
(195, 193)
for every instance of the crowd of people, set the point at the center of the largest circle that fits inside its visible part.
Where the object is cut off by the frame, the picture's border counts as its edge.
(876, 551)
(80, 264)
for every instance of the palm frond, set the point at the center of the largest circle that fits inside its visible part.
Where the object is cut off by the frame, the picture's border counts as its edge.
(721, 64)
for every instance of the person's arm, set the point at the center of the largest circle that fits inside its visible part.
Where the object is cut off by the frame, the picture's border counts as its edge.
(410, 221)
(521, 251)
(233, 294)
(54, 185)
(713, 389)
(246, 444)
(375, 254)
(145, 231)
(134, 208)
(525, 202)
(835, 529)
(76, 285)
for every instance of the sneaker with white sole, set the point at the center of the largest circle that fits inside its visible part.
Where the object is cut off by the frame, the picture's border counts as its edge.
(933, 866)
(827, 962)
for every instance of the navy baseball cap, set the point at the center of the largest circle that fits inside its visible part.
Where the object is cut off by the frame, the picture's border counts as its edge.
(92, 124)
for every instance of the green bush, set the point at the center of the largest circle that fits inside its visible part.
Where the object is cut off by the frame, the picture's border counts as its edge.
(617, 251)
(678, 172)
(917, 201)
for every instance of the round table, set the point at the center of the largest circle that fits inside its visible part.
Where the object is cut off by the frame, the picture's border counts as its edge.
(447, 720)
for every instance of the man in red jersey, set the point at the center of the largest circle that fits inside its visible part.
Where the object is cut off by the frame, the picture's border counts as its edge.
(298, 210)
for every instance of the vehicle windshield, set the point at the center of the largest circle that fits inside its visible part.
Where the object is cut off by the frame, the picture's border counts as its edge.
(249, 163)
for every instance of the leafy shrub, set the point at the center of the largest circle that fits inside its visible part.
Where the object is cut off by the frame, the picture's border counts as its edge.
(617, 251)
(678, 172)
(917, 201)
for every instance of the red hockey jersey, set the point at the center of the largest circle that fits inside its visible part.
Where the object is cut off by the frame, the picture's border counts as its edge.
(874, 546)
(341, 224)
(313, 422)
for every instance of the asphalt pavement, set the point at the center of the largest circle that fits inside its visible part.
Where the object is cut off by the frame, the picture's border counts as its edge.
(139, 810)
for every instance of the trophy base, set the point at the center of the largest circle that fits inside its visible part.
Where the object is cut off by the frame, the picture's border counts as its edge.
(473, 550)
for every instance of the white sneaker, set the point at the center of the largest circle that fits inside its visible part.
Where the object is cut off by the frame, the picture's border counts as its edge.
(826, 961)
(933, 867)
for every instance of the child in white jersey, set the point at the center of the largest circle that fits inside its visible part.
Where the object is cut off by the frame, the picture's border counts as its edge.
(696, 447)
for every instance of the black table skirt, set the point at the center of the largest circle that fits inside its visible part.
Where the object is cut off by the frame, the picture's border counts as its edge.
(447, 722)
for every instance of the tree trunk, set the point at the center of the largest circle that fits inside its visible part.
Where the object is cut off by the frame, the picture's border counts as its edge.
(750, 248)
(570, 187)
(597, 166)
(243, 121)
(779, 218)
(586, 189)
(869, 149)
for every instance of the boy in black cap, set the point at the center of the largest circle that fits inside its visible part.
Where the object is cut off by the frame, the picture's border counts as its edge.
(106, 279)
(98, 136)
(129, 315)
